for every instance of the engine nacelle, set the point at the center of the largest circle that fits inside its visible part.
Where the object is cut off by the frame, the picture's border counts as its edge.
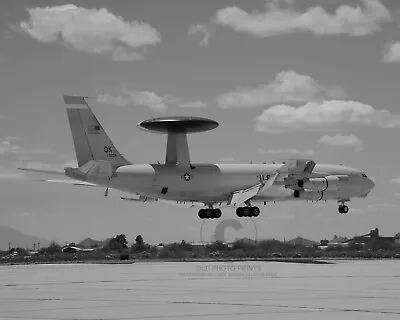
(329, 183)
(314, 195)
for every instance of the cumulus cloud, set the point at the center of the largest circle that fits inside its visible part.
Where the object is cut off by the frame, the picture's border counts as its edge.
(340, 140)
(288, 86)
(107, 98)
(306, 152)
(396, 180)
(193, 104)
(139, 98)
(149, 99)
(7, 147)
(276, 20)
(328, 115)
(380, 206)
(90, 30)
(122, 54)
(201, 30)
(391, 53)
(145, 98)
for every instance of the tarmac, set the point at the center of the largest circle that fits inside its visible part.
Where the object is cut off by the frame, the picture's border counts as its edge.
(202, 290)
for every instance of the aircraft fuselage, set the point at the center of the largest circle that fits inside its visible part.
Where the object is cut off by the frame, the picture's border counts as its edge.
(211, 183)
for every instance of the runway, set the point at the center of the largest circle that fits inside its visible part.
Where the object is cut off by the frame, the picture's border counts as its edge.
(182, 290)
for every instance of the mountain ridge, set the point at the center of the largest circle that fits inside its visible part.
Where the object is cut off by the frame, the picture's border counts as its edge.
(19, 239)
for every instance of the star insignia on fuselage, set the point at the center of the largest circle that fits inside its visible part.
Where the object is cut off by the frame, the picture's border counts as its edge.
(186, 176)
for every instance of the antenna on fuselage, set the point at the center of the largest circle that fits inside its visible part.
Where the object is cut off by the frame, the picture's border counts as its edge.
(177, 128)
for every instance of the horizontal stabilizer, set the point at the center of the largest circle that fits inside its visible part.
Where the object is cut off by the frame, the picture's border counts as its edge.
(75, 183)
(61, 173)
(74, 100)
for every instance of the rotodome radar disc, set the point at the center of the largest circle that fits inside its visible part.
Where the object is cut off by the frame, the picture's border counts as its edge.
(178, 125)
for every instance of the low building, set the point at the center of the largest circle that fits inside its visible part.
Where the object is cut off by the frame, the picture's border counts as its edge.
(374, 235)
(71, 249)
(333, 245)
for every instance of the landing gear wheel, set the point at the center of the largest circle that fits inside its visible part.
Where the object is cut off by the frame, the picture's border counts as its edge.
(217, 213)
(255, 211)
(239, 212)
(209, 213)
(202, 214)
(343, 209)
(247, 211)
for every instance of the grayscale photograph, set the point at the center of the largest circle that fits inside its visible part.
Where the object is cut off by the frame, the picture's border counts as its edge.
(182, 159)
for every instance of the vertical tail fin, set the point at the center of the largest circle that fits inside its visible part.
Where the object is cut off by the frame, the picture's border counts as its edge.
(91, 142)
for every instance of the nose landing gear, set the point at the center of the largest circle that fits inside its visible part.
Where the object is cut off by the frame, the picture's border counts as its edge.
(343, 209)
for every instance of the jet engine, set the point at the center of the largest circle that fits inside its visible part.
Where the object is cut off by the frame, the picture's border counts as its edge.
(329, 183)
(314, 195)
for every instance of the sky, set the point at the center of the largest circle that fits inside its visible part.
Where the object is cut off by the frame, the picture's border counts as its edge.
(285, 79)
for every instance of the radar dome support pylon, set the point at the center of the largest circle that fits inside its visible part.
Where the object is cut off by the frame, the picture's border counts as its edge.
(177, 149)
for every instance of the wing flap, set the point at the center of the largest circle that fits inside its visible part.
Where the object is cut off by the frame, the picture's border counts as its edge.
(139, 199)
(269, 182)
(242, 196)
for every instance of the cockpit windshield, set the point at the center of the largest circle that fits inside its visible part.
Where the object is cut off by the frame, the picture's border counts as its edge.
(364, 175)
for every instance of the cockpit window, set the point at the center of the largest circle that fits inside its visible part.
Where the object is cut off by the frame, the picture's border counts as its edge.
(364, 175)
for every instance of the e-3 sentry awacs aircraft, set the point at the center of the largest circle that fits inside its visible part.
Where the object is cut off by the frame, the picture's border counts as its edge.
(209, 186)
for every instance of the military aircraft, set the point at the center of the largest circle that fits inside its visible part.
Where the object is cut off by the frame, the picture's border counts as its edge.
(206, 185)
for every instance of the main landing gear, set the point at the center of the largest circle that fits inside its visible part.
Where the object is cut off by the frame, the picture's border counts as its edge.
(248, 211)
(210, 213)
(343, 209)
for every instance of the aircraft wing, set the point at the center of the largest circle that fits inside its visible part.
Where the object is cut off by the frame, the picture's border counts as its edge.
(242, 196)
(297, 167)
(294, 170)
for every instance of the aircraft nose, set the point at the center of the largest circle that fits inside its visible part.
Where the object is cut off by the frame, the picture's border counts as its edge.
(370, 184)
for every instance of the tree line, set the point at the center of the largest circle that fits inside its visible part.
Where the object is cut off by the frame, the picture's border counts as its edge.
(117, 248)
